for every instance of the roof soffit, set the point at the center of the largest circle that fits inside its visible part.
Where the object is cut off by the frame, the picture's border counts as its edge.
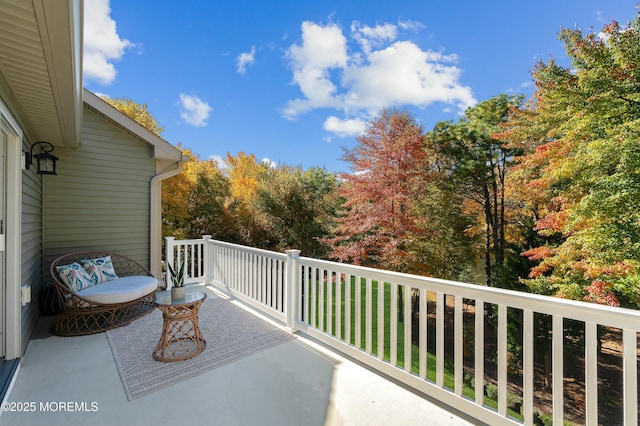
(41, 59)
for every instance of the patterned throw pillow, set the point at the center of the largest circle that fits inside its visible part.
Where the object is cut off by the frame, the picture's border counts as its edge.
(100, 269)
(75, 276)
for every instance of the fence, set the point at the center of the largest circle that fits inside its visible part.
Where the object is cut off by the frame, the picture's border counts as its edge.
(475, 348)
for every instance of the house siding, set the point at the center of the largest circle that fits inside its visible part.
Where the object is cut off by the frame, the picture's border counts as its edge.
(100, 198)
(30, 187)
(31, 249)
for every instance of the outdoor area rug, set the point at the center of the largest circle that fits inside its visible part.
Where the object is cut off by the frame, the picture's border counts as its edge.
(231, 334)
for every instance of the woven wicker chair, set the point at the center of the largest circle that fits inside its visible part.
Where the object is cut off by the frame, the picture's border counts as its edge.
(80, 316)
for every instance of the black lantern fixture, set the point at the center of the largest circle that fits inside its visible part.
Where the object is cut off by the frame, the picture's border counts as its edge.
(44, 160)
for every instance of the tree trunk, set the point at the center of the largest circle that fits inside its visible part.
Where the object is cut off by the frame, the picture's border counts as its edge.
(488, 232)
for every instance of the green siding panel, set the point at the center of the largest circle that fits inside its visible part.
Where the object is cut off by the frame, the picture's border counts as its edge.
(100, 199)
(31, 249)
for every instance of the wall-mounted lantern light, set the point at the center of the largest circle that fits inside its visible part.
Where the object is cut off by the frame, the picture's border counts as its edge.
(44, 160)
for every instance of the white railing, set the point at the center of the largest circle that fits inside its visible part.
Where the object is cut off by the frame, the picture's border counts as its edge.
(444, 338)
(192, 252)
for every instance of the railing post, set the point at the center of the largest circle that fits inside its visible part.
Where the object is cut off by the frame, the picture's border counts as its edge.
(207, 269)
(168, 257)
(292, 290)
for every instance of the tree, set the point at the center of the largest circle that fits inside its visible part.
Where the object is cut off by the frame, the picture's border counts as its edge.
(581, 168)
(137, 112)
(175, 205)
(298, 208)
(441, 243)
(193, 202)
(207, 199)
(245, 173)
(377, 224)
(476, 165)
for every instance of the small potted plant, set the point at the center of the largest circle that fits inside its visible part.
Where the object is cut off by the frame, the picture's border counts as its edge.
(177, 280)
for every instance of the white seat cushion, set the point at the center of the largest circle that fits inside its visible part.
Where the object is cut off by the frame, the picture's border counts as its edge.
(121, 290)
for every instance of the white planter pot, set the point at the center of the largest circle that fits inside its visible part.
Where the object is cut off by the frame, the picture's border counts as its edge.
(177, 293)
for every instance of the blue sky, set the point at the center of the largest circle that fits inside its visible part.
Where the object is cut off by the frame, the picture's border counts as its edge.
(294, 82)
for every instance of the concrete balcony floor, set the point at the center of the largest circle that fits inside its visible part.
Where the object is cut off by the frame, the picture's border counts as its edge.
(299, 382)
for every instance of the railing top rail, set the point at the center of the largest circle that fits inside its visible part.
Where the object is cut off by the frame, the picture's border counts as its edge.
(259, 252)
(571, 309)
(186, 242)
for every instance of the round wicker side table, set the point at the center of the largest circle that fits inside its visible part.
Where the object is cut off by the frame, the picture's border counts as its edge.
(181, 337)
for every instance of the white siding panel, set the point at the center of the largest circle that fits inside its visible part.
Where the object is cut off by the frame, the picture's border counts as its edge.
(100, 199)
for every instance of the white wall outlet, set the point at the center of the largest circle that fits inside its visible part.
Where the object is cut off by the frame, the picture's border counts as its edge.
(25, 294)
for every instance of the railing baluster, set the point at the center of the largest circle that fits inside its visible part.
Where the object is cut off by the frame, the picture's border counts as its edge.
(478, 363)
(558, 374)
(381, 320)
(305, 290)
(502, 360)
(368, 317)
(528, 367)
(591, 373)
(329, 302)
(338, 309)
(440, 299)
(254, 276)
(347, 310)
(458, 346)
(192, 261)
(258, 284)
(630, 347)
(407, 328)
(249, 281)
(321, 317)
(358, 313)
(240, 280)
(273, 283)
(257, 277)
(314, 298)
(279, 285)
(393, 317)
(265, 274)
(422, 317)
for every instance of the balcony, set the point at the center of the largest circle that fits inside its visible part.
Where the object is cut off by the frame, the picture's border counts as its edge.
(374, 347)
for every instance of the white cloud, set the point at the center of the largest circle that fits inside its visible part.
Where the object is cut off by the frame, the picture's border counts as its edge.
(599, 15)
(383, 72)
(269, 162)
(194, 110)
(369, 37)
(410, 25)
(219, 160)
(246, 58)
(344, 128)
(102, 44)
(404, 74)
(322, 49)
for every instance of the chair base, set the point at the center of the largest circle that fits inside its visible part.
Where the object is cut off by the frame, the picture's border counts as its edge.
(103, 318)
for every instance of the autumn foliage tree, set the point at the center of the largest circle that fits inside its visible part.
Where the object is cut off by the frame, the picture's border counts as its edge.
(581, 171)
(136, 111)
(244, 173)
(194, 201)
(377, 224)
